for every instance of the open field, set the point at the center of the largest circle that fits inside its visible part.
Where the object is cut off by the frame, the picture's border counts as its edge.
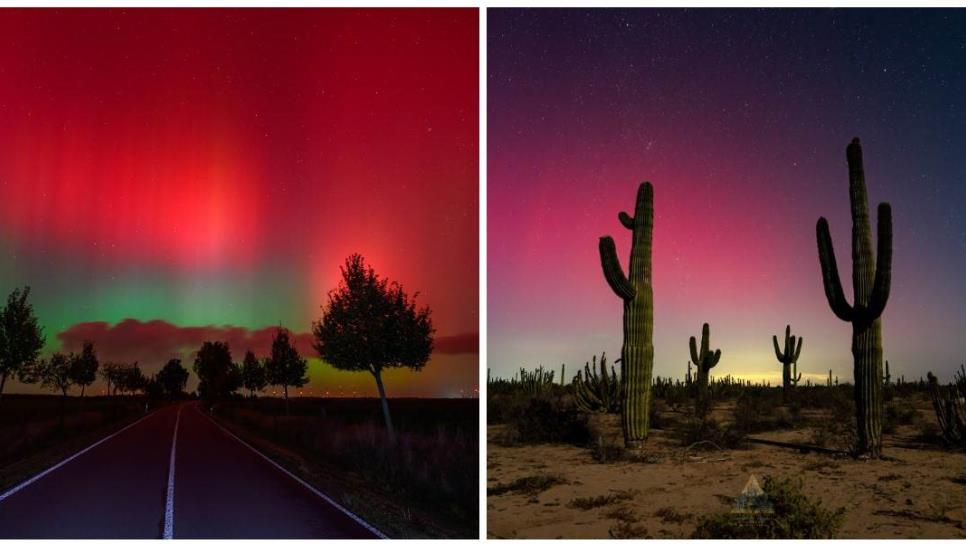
(426, 486)
(573, 481)
(33, 437)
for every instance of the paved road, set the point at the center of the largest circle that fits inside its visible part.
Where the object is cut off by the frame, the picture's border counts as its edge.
(123, 488)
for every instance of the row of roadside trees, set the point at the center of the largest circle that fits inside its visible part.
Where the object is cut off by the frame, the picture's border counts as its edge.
(369, 324)
(219, 377)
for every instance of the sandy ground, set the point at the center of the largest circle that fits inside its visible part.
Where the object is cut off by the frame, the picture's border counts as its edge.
(911, 495)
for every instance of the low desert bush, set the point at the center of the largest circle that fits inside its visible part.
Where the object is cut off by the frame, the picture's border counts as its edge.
(899, 412)
(547, 419)
(697, 432)
(528, 485)
(793, 516)
(589, 503)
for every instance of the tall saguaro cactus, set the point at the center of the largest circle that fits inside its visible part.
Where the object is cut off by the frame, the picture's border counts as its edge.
(789, 361)
(871, 279)
(704, 360)
(637, 352)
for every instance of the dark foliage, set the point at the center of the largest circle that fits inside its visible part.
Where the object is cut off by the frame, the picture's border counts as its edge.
(370, 324)
(253, 374)
(218, 377)
(83, 367)
(21, 337)
(173, 378)
(286, 367)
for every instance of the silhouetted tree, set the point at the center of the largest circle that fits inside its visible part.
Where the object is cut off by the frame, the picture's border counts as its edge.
(113, 375)
(286, 367)
(21, 338)
(173, 378)
(253, 374)
(218, 377)
(52, 373)
(129, 378)
(136, 380)
(370, 324)
(153, 387)
(83, 367)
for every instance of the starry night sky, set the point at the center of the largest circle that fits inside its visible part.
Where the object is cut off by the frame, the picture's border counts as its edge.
(740, 118)
(173, 176)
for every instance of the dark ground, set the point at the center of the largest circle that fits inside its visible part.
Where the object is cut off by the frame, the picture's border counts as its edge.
(222, 490)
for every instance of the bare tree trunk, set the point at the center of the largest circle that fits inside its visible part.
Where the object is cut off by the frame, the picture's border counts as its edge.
(385, 405)
(285, 389)
(82, 390)
(3, 381)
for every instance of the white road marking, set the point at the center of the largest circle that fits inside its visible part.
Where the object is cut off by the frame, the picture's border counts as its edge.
(6, 494)
(331, 501)
(169, 499)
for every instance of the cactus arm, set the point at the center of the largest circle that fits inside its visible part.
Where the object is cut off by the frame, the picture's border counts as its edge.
(694, 352)
(830, 273)
(883, 266)
(798, 350)
(778, 351)
(715, 358)
(626, 220)
(612, 270)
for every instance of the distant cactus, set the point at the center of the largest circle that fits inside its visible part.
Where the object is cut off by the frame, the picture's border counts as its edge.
(704, 360)
(689, 380)
(871, 281)
(829, 383)
(887, 379)
(789, 361)
(595, 392)
(950, 407)
(563, 370)
(637, 352)
(537, 381)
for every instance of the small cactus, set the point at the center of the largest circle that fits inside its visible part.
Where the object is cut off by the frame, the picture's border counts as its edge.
(537, 381)
(789, 361)
(704, 360)
(950, 409)
(597, 392)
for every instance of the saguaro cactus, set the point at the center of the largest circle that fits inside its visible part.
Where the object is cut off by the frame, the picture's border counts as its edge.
(789, 361)
(704, 361)
(637, 352)
(871, 279)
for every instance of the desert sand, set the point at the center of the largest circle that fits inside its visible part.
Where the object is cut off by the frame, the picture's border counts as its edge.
(914, 493)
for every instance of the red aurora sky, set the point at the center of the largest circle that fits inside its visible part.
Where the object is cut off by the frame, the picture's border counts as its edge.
(212, 168)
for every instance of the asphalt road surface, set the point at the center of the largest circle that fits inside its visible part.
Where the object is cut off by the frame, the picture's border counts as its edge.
(173, 474)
